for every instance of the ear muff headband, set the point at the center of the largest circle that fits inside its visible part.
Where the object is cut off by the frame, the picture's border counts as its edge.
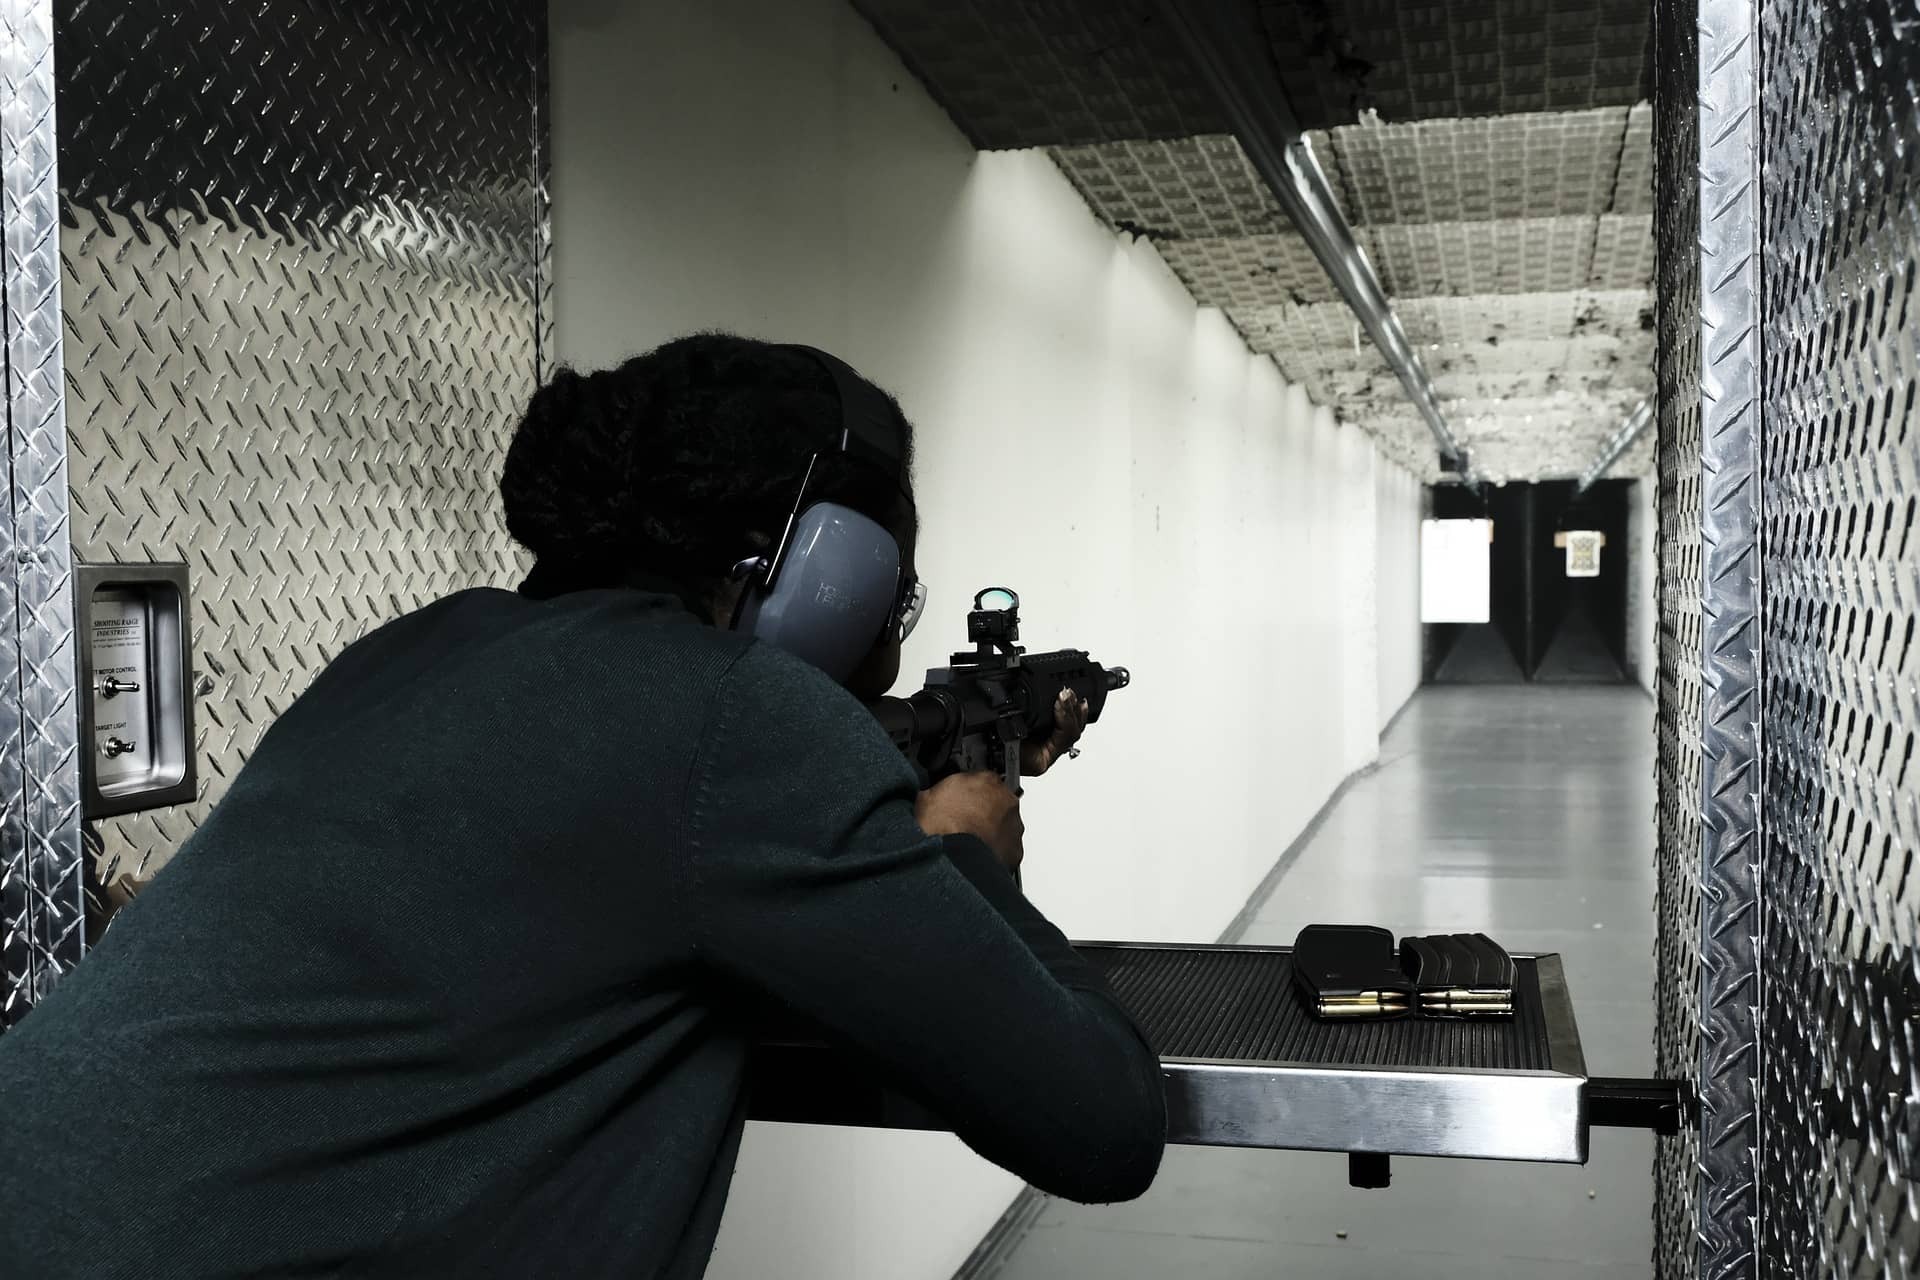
(833, 585)
(869, 423)
(870, 429)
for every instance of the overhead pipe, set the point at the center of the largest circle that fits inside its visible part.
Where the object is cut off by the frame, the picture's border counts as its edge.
(1618, 443)
(1231, 52)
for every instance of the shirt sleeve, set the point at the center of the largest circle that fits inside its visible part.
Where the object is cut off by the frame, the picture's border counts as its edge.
(808, 879)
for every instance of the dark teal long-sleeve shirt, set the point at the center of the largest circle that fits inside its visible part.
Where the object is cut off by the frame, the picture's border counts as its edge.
(456, 979)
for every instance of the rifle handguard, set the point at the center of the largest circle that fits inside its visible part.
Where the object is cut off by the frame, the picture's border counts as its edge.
(972, 716)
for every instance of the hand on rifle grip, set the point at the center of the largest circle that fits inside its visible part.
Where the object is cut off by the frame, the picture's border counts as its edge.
(975, 804)
(1069, 722)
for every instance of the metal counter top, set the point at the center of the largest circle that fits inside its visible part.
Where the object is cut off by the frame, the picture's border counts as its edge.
(1247, 1066)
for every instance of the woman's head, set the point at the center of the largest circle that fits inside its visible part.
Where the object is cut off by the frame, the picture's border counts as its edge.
(679, 464)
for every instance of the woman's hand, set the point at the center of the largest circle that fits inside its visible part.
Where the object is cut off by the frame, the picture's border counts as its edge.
(1069, 722)
(975, 804)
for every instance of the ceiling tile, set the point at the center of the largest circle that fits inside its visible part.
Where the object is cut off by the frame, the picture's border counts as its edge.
(1337, 384)
(1633, 189)
(1585, 366)
(1495, 318)
(1494, 157)
(1327, 328)
(1521, 255)
(1041, 73)
(1425, 59)
(1524, 409)
(1552, 437)
(1023, 73)
(1182, 189)
(1556, 164)
(1622, 253)
(1249, 271)
(1402, 436)
(1603, 357)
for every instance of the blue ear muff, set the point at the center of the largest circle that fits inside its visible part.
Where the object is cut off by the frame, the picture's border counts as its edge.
(836, 590)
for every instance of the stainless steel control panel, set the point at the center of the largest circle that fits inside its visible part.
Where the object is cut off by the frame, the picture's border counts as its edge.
(136, 697)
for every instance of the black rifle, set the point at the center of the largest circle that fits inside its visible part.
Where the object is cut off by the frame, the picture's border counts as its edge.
(974, 715)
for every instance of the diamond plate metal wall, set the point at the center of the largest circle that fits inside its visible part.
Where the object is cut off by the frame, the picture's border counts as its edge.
(1840, 1094)
(1713, 742)
(1731, 741)
(20, 956)
(1790, 924)
(42, 907)
(1677, 429)
(305, 248)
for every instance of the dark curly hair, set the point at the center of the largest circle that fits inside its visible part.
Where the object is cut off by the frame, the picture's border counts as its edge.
(678, 464)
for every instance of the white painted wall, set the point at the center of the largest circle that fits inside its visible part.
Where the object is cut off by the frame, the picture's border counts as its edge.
(1398, 501)
(1086, 435)
(1643, 582)
(1359, 591)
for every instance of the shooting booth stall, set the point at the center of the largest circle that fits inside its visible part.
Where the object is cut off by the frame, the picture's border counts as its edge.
(276, 291)
(265, 347)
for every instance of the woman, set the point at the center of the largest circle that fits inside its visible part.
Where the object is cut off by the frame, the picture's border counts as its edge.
(460, 978)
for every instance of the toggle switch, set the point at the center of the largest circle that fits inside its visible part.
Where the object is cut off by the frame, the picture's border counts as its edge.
(117, 747)
(111, 686)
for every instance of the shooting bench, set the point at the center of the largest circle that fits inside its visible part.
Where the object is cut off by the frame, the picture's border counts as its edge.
(1247, 1066)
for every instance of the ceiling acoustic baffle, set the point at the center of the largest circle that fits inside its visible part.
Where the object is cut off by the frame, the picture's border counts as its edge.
(1231, 52)
(1618, 443)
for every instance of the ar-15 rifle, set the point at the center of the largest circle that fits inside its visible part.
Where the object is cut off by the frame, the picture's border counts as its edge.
(974, 715)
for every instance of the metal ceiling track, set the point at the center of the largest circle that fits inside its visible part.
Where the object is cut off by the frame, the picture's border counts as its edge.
(1228, 47)
(1618, 443)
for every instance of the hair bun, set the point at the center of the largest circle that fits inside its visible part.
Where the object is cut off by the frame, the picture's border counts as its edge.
(557, 394)
(568, 471)
(673, 461)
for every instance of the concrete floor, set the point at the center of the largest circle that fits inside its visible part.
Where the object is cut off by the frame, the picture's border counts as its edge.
(1523, 811)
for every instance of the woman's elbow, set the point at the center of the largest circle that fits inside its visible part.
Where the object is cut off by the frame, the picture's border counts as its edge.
(1124, 1152)
(1127, 1174)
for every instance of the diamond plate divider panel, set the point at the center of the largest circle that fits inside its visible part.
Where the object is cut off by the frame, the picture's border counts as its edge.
(545, 352)
(19, 956)
(1841, 1090)
(1676, 152)
(1730, 696)
(297, 368)
(42, 895)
